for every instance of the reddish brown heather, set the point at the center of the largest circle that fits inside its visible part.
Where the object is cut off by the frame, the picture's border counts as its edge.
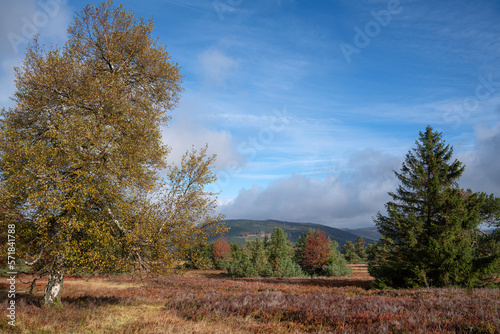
(208, 302)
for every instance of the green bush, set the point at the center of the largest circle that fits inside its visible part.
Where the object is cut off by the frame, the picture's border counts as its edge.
(243, 265)
(268, 258)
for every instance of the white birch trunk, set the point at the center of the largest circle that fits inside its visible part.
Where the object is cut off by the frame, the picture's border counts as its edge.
(53, 288)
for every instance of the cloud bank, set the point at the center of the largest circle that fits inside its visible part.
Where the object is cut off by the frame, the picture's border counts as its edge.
(348, 199)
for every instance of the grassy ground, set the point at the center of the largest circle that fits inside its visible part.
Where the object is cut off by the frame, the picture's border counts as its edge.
(208, 302)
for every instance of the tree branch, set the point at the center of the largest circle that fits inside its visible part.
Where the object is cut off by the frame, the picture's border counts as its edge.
(117, 223)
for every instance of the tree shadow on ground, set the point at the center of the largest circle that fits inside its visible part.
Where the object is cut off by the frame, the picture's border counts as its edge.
(87, 301)
(21, 298)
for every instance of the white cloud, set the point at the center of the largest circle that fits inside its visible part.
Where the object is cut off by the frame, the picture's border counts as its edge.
(216, 67)
(351, 197)
(481, 165)
(346, 200)
(184, 133)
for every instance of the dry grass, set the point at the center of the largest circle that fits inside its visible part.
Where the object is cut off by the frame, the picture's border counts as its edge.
(209, 302)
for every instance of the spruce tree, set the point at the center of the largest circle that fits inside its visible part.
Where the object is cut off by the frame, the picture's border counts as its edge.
(360, 249)
(430, 226)
(281, 256)
(336, 264)
(349, 252)
(242, 264)
(271, 258)
(260, 257)
(300, 246)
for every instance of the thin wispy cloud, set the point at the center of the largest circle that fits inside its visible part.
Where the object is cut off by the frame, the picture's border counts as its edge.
(184, 5)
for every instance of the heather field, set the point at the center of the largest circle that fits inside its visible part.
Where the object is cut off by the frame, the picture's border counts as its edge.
(209, 302)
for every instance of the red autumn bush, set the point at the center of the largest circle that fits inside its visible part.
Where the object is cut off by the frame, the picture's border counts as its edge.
(221, 252)
(316, 251)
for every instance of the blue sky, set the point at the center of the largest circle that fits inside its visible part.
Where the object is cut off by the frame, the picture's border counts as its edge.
(310, 105)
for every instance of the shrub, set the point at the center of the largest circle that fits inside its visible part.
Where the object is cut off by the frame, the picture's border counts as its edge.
(316, 252)
(337, 264)
(318, 255)
(273, 258)
(243, 265)
(221, 253)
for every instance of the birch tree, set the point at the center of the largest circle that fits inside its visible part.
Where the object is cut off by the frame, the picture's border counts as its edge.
(81, 154)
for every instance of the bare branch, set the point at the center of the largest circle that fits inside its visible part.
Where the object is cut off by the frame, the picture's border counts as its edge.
(32, 283)
(117, 223)
(478, 230)
(30, 263)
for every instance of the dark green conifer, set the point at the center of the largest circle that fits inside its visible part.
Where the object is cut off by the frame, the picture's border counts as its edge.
(431, 224)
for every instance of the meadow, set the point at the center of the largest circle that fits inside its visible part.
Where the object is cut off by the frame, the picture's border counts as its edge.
(209, 302)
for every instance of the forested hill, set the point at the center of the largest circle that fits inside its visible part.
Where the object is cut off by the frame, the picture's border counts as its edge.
(242, 230)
